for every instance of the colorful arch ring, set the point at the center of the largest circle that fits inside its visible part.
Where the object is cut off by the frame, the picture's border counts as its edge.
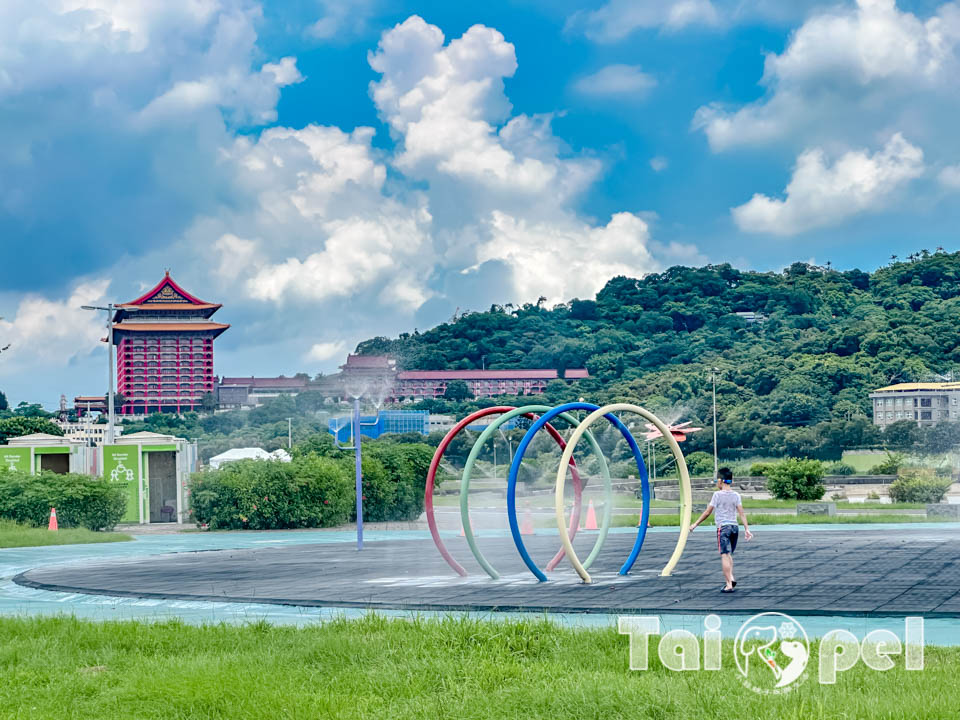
(605, 526)
(526, 410)
(432, 475)
(685, 494)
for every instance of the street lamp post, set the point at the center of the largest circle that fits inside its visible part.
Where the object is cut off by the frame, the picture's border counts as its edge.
(715, 457)
(110, 308)
(289, 434)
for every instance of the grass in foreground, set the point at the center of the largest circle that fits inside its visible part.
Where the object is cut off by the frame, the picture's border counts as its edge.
(16, 535)
(761, 519)
(379, 668)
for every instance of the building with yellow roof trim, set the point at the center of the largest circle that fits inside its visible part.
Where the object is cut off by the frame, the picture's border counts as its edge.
(925, 403)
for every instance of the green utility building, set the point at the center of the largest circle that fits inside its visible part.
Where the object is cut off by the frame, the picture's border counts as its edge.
(154, 470)
(39, 451)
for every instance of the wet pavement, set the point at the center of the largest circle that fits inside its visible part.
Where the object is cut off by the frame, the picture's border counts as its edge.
(870, 571)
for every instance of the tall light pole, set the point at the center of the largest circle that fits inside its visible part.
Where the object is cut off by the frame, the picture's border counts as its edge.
(715, 458)
(289, 434)
(110, 308)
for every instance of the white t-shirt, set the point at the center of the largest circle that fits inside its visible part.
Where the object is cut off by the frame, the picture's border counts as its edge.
(725, 503)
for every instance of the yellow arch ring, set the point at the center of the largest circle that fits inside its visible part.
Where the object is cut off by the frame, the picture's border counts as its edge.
(685, 493)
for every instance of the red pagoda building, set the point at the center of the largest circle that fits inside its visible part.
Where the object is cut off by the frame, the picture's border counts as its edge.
(164, 342)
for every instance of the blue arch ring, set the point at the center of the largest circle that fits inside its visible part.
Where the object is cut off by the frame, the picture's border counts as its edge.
(515, 471)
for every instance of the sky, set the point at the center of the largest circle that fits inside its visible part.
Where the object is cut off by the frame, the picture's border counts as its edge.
(332, 171)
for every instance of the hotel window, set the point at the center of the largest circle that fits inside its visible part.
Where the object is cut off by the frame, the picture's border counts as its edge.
(889, 415)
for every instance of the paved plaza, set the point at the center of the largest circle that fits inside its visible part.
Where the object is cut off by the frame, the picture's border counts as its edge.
(853, 571)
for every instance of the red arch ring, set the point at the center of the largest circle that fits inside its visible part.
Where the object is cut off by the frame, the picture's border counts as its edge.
(435, 464)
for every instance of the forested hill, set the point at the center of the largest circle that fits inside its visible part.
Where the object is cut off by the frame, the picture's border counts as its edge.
(818, 342)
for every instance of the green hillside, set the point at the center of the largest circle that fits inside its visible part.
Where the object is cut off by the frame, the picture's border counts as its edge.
(793, 380)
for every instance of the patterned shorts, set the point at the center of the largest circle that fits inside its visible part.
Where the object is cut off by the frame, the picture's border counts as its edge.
(727, 538)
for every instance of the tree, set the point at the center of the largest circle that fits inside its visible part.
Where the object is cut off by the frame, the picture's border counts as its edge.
(208, 402)
(458, 391)
(901, 435)
(3, 402)
(309, 401)
(31, 410)
(20, 426)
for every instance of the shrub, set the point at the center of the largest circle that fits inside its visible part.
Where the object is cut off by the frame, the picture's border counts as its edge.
(919, 487)
(81, 501)
(760, 469)
(890, 466)
(316, 489)
(794, 479)
(311, 491)
(404, 469)
(699, 463)
(839, 468)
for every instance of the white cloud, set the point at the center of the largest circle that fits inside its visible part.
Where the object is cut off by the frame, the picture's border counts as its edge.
(358, 254)
(320, 352)
(618, 81)
(949, 177)
(567, 257)
(48, 332)
(619, 18)
(341, 18)
(445, 102)
(659, 163)
(821, 195)
(156, 59)
(323, 227)
(847, 70)
(284, 72)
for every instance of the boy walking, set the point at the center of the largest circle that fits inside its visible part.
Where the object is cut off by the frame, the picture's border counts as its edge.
(727, 504)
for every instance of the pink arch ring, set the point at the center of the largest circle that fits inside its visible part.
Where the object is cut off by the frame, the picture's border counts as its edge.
(435, 464)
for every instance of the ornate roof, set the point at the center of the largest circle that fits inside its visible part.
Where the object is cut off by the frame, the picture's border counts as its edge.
(166, 296)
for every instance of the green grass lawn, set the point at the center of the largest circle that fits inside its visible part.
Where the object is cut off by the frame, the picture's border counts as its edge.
(16, 535)
(773, 503)
(769, 519)
(377, 668)
(862, 462)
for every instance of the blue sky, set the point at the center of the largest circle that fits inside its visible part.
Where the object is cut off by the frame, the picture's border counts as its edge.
(335, 170)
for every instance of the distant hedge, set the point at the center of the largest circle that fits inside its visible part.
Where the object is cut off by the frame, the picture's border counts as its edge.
(80, 500)
(316, 489)
(919, 487)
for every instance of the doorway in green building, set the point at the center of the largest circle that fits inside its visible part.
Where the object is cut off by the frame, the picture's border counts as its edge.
(162, 477)
(58, 463)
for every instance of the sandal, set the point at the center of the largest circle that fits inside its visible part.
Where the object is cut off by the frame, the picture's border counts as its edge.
(724, 590)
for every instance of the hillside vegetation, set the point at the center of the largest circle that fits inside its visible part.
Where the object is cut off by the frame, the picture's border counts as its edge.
(793, 381)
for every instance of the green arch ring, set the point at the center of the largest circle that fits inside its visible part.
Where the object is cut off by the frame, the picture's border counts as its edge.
(468, 471)
(685, 492)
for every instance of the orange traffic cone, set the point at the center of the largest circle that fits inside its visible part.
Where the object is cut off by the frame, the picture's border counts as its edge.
(53, 519)
(527, 527)
(591, 518)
